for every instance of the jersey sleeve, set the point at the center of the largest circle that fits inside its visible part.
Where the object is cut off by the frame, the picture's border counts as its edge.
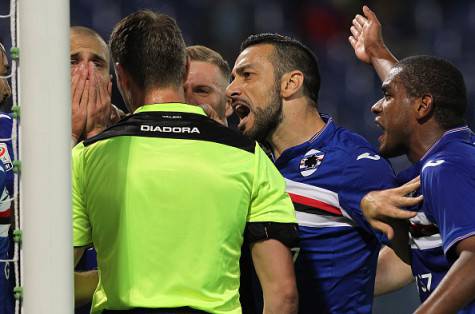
(364, 172)
(449, 189)
(269, 200)
(81, 226)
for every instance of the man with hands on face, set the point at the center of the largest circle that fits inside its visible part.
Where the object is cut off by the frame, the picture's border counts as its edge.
(91, 84)
(422, 116)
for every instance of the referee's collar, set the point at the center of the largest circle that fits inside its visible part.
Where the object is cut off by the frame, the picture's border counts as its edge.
(171, 107)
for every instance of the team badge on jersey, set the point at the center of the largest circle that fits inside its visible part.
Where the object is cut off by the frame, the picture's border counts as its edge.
(310, 162)
(5, 157)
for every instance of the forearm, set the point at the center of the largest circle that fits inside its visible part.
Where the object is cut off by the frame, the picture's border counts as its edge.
(275, 270)
(382, 61)
(392, 273)
(85, 284)
(456, 290)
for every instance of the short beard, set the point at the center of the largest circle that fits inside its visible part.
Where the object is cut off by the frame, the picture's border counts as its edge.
(267, 118)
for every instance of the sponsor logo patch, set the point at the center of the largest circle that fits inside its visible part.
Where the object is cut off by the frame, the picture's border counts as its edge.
(5, 157)
(169, 129)
(309, 164)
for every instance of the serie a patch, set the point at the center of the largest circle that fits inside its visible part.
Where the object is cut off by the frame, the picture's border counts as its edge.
(5, 157)
(310, 162)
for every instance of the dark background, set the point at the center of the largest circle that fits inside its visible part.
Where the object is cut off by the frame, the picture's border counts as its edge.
(349, 88)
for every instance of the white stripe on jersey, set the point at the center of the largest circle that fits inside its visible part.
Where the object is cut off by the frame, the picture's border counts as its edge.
(4, 231)
(313, 192)
(425, 243)
(321, 221)
(316, 193)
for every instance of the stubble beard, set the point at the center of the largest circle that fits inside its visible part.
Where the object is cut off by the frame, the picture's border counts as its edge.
(268, 117)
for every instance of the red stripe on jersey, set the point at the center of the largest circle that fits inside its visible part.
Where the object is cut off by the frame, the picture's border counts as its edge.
(315, 203)
(7, 213)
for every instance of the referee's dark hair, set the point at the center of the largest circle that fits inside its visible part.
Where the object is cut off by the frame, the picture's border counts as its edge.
(422, 75)
(290, 54)
(150, 47)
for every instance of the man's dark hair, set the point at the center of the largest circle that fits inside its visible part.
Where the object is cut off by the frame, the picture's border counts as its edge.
(205, 54)
(151, 49)
(421, 75)
(290, 54)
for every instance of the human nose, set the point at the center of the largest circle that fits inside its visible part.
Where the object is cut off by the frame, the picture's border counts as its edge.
(233, 89)
(376, 108)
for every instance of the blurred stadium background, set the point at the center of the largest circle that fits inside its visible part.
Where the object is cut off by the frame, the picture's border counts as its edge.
(349, 88)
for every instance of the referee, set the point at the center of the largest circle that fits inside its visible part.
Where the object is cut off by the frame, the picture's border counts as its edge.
(167, 195)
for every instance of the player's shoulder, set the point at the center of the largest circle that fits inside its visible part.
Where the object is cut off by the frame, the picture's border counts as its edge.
(356, 148)
(351, 141)
(456, 162)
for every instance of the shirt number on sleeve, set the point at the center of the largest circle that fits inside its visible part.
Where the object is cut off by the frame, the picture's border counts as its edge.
(424, 282)
(368, 156)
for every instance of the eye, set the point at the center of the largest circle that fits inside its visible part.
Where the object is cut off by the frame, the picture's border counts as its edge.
(202, 90)
(99, 64)
(74, 61)
(246, 74)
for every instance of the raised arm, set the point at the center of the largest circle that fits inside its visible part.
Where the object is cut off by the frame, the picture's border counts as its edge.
(367, 41)
(275, 270)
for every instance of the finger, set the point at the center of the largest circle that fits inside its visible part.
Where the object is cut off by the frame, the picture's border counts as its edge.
(408, 187)
(416, 179)
(85, 95)
(92, 89)
(397, 213)
(361, 21)
(410, 201)
(354, 32)
(383, 227)
(352, 41)
(370, 14)
(81, 83)
(101, 90)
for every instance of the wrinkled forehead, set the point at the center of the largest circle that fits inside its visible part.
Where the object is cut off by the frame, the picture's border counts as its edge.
(83, 42)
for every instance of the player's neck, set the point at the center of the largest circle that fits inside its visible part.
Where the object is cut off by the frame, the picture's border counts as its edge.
(158, 96)
(422, 139)
(299, 124)
(164, 95)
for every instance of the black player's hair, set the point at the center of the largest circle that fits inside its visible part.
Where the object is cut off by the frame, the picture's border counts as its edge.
(150, 47)
(435, 76)
(290, 54)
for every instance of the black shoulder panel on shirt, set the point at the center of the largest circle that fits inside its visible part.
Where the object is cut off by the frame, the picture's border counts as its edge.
(177, 125)
(287, 233)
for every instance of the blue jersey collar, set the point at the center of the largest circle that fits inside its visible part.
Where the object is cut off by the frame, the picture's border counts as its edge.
(320, 139)
(456, 134)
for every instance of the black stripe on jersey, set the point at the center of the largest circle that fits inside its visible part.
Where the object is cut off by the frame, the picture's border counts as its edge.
(177, 125)
(419, 230)
(313, 210)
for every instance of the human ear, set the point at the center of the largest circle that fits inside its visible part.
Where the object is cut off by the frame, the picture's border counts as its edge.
(291, 83)
(425, 106)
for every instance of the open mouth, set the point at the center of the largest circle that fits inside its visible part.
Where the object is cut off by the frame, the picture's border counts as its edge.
(242, 110)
